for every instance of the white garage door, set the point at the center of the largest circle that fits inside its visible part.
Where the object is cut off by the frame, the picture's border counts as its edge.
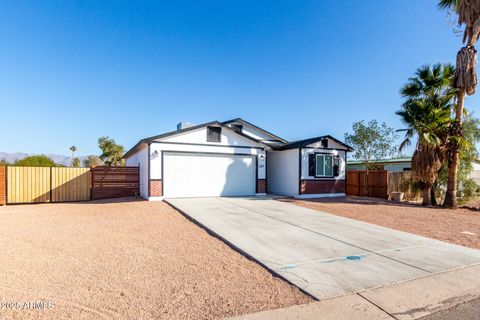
(208, 175)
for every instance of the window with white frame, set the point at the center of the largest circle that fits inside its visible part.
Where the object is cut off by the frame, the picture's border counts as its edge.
(324, 165)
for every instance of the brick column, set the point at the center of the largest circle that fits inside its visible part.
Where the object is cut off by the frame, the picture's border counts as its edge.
(261, 186)
(156, 188)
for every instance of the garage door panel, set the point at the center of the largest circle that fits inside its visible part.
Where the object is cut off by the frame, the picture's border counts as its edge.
(203, 175)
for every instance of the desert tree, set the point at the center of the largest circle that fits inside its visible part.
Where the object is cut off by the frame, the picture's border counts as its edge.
(112, 153)
(75, 162)
(92, 161)
(372, 142)
(36, 161)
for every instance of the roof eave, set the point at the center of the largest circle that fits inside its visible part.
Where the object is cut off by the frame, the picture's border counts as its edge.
(256, 127)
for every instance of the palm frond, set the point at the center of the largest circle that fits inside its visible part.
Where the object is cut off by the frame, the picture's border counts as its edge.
(449, 4)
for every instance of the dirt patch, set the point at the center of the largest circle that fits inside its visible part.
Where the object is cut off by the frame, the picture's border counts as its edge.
(125, 260)
(437, 223)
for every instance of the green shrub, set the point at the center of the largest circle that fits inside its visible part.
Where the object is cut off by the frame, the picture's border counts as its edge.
(467, 191)
(411, 188)
(36, 161)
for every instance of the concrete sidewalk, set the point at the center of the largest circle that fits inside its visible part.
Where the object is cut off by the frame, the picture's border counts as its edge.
(407, 300)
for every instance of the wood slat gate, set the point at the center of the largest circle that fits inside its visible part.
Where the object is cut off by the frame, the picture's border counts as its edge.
(47, 184)
(28, 184)
(377, 183)
(70, 184)
(115, 182)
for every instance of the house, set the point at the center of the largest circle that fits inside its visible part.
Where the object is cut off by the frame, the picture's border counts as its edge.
(475, 173)
(237, 158)
(394, 165)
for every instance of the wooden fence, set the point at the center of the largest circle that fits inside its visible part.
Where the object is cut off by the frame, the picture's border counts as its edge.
(114, 182)
(3, 186)
(70, 184)
(28, 184)
(403, 182)
(380, 183)
(377, 183)
(61, 184)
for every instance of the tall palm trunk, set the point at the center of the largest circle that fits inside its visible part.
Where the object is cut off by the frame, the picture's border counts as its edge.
(427, 192)
(451, 193)
(433, 197)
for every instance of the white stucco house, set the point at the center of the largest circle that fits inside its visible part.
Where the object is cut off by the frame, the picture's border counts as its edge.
(237, 158)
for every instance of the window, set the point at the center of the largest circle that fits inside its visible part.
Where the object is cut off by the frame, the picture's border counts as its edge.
(214, 134)
(324, 165)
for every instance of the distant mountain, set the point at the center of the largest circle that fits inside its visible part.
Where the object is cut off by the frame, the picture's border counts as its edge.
(60, 159)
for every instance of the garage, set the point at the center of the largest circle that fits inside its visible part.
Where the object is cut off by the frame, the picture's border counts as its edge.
(208, 175)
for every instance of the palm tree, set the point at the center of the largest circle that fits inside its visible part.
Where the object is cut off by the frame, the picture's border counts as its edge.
(73, 149)
(75, 161)
(426, 113)
(465, 80)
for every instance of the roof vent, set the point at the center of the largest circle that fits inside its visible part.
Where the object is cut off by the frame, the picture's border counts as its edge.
(183, 125)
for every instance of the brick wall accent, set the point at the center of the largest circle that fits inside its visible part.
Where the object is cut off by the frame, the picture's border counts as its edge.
(261, 186)
(156, 188)
(322, 186)
(3, 186)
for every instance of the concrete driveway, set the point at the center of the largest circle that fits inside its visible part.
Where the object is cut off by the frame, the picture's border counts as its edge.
(324, 254)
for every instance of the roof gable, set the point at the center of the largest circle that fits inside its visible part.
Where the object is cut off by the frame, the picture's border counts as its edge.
(185, 130)
(229, 137)
(313, 143)
(273, 137)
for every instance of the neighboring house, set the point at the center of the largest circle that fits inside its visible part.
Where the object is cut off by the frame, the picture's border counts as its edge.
(475, 174)
(237, 158)
(395, 165)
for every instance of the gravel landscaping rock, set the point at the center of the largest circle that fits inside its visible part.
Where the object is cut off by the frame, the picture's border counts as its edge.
(125, 260)
(461, 226)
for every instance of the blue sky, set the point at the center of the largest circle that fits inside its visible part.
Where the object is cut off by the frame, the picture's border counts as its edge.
(71, 71)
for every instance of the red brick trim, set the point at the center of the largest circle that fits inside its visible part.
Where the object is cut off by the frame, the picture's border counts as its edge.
(261, 186)
(322, 186)
(156, 188)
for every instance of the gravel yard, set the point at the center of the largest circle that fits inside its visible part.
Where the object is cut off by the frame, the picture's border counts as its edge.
(125, 260)
(442, 224)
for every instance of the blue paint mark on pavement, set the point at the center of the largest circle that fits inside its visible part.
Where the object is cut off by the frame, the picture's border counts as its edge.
(353, 257)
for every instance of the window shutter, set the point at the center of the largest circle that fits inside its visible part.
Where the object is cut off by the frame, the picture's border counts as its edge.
(311, 164)
(336, 167)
